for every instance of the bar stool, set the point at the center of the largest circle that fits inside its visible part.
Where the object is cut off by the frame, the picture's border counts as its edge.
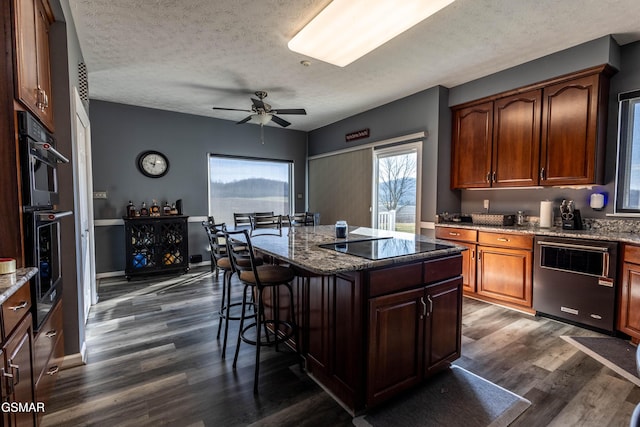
(256, 278)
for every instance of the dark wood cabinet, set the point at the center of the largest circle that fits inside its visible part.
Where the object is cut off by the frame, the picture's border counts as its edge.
(32, 65)
(516, 140)
(629, 297)
(156, 244)
(18, 353)
(472, 142)
(548, 133)
(505, 267)
(575, 112)
(16, 369)
(425, 323)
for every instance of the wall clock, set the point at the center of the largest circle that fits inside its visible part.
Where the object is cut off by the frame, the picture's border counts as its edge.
(153, 164)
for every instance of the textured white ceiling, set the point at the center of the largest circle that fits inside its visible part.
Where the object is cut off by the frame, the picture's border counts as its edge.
(191, 55)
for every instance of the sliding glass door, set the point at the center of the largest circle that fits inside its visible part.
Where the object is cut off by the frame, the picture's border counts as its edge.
(397, 187)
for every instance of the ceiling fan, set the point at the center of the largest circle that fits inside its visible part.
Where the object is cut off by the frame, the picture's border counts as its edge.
(262, 112)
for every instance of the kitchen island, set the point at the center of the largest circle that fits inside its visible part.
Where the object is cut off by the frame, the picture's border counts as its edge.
(376, 324)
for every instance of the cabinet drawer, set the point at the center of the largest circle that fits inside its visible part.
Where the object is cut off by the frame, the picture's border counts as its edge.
(15, 308)
(632, 254)
(45, 384)
(46, 340)
(443, 268)
(394, 279)
(462, 234)
(509, 240)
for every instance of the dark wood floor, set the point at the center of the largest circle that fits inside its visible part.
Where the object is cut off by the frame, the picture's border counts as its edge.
(153, 359)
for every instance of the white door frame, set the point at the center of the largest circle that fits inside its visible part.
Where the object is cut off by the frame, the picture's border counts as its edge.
(84, 181)
(398, 150)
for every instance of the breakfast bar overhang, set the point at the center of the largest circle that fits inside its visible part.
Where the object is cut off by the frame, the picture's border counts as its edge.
(374, 324)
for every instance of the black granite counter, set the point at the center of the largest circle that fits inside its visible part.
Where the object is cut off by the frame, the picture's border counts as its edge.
(300, 246)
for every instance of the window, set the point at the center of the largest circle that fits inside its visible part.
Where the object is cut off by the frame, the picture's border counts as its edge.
(628, 179)
(396, 178)
(241, 184)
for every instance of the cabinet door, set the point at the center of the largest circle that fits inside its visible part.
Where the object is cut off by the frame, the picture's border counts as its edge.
(396, 336)
(19, 360)
(472, 138)
(569, 132)
(629, 312)
(26, 53)
(505, 274)
(468, 266)
(44, 69)
(443, 324)
(516, 140)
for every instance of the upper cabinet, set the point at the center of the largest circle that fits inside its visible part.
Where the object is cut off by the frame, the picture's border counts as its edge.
(33, 71)
(551, 133)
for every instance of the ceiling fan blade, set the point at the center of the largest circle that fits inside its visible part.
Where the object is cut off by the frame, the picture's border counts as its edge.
(245, 120)
(290, 111)
(258, 104)
(280, 121)
(229, 109)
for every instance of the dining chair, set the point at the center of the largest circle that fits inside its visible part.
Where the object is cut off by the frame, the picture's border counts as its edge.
(266, 222)
(242, 219)
(256, 278)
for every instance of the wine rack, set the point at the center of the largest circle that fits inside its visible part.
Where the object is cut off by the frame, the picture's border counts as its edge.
(155, 245)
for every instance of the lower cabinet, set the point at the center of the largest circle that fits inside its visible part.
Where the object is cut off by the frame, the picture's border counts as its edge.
(629, 298)
(369, 335)
(411, 335)
(17, 373)
(49, 352)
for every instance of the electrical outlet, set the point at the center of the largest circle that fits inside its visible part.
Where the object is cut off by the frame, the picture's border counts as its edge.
(486, 204)
(99, 194)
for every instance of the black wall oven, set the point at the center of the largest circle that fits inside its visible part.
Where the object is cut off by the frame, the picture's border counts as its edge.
(575, 280)
(43, 235)
(39, 161)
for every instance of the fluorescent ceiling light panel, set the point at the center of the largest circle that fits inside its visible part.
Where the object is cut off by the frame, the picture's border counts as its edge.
(348, 29)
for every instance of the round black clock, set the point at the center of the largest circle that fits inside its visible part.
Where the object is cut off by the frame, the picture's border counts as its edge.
(153, 164)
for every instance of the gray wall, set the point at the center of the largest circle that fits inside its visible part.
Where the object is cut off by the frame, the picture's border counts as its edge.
(120, 132)
(424, 111)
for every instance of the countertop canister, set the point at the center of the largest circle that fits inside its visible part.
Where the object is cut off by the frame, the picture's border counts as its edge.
(546, 213)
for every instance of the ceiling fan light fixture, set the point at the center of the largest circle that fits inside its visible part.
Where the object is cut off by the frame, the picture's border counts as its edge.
(261, 118)
(348, 29)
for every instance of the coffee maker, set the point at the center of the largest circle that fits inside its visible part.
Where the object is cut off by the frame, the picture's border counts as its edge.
(571, 219)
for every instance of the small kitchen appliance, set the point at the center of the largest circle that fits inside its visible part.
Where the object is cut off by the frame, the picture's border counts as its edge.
(571, 219)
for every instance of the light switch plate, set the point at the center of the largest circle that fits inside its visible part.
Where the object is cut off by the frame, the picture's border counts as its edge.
(99, 194)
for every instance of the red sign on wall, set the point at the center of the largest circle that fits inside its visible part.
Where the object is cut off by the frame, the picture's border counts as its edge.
(359, 134)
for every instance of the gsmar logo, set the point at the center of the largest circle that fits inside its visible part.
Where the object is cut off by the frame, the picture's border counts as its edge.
(22, 407)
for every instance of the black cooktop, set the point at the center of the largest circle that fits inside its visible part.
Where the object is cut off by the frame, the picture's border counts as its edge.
(376, 249)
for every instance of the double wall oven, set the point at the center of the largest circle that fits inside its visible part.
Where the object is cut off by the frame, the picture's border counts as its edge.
(39, 163)
(575, 280)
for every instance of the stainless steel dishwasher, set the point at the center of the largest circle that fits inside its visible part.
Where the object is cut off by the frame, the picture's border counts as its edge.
(575, 280)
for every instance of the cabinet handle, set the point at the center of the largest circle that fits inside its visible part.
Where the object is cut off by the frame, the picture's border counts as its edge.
(23, 304)
(430, 305)
(53, 370)
(51, 334)
(473, 254)
(17, 374)
(452, 233)
(488, 176)
(542, 173)
(502, 239)
(424, 308)
(493, 176)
